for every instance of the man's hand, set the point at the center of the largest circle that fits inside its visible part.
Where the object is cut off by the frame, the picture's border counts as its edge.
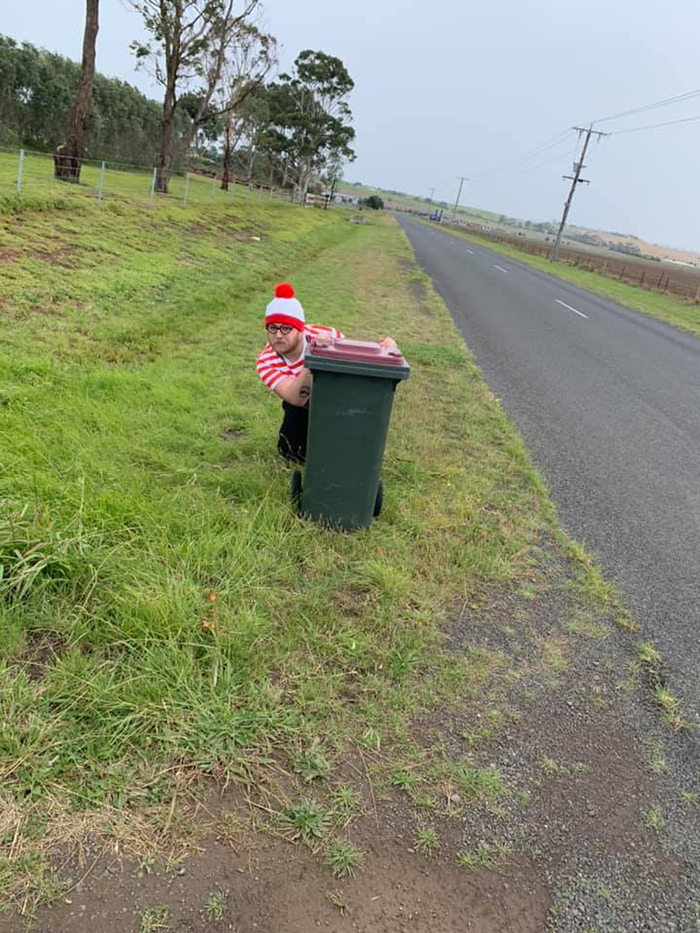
(388, 343)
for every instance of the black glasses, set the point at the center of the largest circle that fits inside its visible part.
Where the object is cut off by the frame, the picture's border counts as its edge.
(282, 328)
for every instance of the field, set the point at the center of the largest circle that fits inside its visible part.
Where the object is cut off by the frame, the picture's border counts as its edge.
(214, 712)
(668, 278)
(35, 176)
(663, 277)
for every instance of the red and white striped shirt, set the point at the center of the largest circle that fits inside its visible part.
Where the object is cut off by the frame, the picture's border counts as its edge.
(273, 368)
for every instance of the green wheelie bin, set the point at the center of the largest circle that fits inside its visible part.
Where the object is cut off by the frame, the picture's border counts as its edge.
(349, 411)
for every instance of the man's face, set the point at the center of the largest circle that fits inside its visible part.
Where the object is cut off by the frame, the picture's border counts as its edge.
(287, 344)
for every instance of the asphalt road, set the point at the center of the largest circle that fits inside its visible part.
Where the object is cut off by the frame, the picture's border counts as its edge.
(608, 402)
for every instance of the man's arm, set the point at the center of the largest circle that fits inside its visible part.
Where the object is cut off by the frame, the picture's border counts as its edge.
(296, 391)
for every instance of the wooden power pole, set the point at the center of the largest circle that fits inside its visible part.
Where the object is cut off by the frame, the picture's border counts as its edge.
(575, 180)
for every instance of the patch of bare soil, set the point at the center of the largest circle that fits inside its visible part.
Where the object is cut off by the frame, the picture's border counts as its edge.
(278, 888)
(416, 287)
(65, 256)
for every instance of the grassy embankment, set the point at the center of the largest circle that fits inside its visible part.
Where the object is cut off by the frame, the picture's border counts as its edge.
(680, 314)
(163, 613)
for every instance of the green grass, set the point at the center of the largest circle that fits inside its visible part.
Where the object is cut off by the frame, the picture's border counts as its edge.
(680, 314)
(307, 821)
(215, 907)
(161, 606)
(426, 840)
(343, 858)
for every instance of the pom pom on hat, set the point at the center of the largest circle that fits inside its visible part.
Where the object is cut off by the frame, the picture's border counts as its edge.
(285, 308)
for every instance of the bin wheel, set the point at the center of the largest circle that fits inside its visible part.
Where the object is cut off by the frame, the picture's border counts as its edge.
(296, 489)
(379, 501)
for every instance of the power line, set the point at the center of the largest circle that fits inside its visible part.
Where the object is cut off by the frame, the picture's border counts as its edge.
(666, 102)
(653, 126)
(534, 168)
(537, 150)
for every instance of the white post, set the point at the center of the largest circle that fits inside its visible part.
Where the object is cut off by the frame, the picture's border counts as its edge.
(20, 169)
(213, 187)
(153, 185)
(101, 182)
(187, 186)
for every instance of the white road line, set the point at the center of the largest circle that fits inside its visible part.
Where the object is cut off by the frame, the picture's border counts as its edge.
(565, 305)
(471, 252)
(500, 268)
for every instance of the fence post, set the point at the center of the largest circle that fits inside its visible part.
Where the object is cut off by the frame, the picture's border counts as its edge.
(187, 185)
(20, 169)
(697, 295)
(213, 187)
(153, 186)
(101, 182)
(641, 281)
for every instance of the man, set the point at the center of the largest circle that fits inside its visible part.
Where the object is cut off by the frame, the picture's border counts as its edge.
(281, 366)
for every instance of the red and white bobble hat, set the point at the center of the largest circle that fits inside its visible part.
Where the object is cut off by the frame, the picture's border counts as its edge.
(285, 308)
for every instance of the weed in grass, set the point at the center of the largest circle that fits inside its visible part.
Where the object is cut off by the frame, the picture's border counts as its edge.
(147, 865)
(480, 735)
(468, 860)
(426, 801)
(580, 767)
(549, 767)
(670, 708)
(345, 803)
(154, 920)
(336, 899)
(404, 780)
(584, 625)
(653, 817)
(343, 857)
(523, 798)
(688, 797)
(479, 784)
(307, 821)
(426, 840)
(215, 907)
(485, 856)
(311, 764)
(370, 739)
(657, 764)
(648, 655)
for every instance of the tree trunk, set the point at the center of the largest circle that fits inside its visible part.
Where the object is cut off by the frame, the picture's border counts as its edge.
(226, 171)
(165, 162)
(69, 156)
(304, 182)
(251, 160)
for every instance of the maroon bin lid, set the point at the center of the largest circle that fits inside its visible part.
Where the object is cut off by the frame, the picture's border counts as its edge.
(355, 351)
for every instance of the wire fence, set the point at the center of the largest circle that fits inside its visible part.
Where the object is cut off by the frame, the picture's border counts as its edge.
(24, 172)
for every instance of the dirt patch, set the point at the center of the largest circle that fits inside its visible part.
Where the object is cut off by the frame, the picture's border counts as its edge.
(232, 434)
(416, 287)
(8, 254)
(45, 649)
(64, 256)
(273, 888)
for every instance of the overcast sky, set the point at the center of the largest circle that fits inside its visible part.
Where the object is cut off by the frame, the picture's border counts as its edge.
(453, 88)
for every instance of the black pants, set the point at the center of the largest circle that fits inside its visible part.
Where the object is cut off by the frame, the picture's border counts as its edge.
(292, 440)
